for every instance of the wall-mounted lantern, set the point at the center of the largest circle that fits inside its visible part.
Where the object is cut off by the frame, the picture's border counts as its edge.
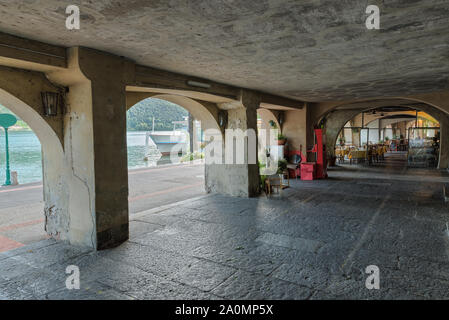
(51, 101)
(281, 117)
(222, 118)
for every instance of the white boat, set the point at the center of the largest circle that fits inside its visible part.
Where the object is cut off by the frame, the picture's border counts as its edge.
(169, 142)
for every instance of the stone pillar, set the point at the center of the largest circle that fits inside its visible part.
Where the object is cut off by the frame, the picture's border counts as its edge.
(95, 147)
(335, 121)
(402, 126)
(443, 162)
(237, 179)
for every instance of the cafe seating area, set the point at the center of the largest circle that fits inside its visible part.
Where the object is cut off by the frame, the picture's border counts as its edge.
(366, 154)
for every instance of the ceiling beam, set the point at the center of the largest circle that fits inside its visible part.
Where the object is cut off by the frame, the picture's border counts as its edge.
(155, 78)
(14, 50)
(34, 55)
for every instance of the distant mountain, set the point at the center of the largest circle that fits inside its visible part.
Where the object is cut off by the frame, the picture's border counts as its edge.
(140, 117)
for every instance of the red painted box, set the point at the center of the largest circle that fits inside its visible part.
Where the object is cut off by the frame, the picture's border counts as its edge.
(308, 171)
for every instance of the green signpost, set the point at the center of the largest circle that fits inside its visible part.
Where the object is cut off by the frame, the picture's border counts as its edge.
(6, 121)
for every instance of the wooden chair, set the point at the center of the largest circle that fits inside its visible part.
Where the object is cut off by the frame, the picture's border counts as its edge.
(277, 181)
(272, 182)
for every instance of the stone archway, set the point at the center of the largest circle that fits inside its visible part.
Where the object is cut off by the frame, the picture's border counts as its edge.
(205, 112)
(55, 196)
(336, 120)
(266, 116)
(264, 135)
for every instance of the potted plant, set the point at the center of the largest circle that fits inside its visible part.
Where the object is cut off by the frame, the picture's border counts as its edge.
(342, 141)
(282, 166)
(281, 139)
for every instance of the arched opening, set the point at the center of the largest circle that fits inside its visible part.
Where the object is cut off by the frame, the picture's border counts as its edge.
(400, 111)
(166, 156)
(267, 123)
(29, 210)
(390, 136)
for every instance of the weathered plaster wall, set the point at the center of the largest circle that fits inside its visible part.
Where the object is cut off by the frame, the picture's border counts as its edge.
(27, 87)
(79, 171)
(79, 164)
(296, 130)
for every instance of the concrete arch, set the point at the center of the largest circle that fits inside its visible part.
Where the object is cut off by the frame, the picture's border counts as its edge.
(336, 120)
(39, 126)
(56, 213)
(406, 114)
(384, 122)
(264, 135)
(266, 116)
(438, 102)
(206, 112)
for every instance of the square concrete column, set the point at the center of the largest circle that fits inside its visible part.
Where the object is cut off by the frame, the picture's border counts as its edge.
(443, 161)
(238, 172)
(95, 148)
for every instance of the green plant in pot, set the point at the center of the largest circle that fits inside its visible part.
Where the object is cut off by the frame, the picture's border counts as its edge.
(341, 140)
(282, 166)
(281, 139)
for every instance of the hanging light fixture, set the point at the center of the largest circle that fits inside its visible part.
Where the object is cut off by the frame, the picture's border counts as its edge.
(281, 117)
(51, 101)
(223, 118)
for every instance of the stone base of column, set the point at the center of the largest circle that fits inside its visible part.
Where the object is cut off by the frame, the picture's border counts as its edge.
(113, 237)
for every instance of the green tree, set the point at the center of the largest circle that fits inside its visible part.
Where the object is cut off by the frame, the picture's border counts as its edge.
(140, 116)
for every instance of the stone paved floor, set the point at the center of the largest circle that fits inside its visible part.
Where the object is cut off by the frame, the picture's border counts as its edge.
(21, 207)
(312, 242)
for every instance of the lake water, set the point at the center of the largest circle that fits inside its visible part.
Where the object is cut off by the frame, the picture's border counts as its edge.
(26, 158)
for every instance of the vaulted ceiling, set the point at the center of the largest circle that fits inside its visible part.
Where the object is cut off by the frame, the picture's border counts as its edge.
(314, 50)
